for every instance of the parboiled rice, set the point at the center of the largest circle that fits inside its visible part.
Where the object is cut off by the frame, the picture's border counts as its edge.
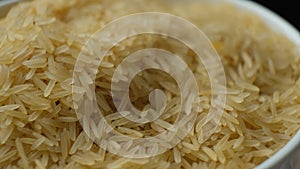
(39, 44)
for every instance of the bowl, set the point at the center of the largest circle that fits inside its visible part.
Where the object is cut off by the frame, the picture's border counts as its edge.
(286, 158)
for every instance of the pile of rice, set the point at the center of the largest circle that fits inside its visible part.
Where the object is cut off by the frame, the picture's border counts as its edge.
(39, 44)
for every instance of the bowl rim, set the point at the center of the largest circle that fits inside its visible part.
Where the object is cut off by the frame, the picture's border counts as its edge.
(6, 5)
(272, 19)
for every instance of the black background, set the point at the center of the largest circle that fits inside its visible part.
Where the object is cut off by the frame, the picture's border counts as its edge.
(288, 9)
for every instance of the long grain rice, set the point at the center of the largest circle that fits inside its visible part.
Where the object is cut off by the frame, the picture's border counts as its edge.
(39, 45)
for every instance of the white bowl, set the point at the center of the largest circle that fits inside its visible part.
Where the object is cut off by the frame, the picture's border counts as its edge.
(286, 158)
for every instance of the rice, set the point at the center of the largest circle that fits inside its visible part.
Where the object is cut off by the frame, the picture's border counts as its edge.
(41, 40)
(9, 107)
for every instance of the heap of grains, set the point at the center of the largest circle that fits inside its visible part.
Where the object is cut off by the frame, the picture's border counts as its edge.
(39, 44)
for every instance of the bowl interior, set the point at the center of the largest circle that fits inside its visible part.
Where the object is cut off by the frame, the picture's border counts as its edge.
(276, 23)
